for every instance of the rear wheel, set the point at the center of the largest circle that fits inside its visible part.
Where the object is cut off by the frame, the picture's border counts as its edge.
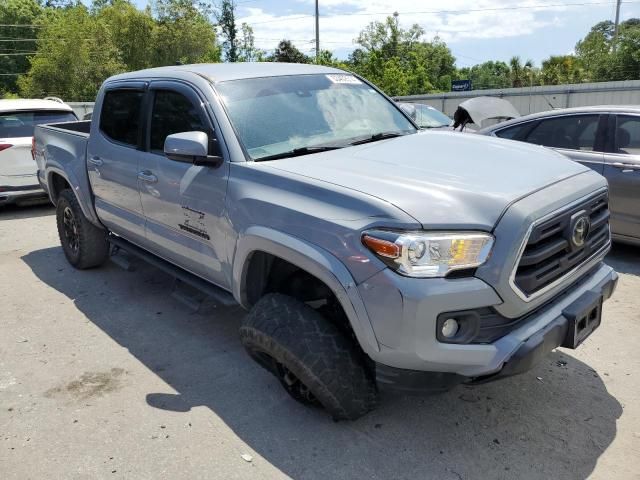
(315, 363)
(84, 244)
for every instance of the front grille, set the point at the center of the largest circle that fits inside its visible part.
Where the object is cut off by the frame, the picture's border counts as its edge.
(550, 253)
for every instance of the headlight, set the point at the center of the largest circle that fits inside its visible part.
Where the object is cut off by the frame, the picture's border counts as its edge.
(429, 254)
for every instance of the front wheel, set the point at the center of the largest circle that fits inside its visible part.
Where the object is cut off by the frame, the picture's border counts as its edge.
(315, 362)
(84, 244)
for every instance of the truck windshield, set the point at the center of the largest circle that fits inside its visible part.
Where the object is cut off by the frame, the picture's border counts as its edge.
(301, 113)
(22, 123)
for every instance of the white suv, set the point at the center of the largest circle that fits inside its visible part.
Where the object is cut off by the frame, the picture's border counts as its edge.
(18, 180)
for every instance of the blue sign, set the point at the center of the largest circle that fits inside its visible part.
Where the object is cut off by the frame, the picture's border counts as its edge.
(460, 85)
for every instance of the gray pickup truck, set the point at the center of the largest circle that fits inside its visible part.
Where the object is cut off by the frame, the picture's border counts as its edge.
(369, 255)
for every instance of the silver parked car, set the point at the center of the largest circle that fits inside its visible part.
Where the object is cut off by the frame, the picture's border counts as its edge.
(427, 116)
(604, 138)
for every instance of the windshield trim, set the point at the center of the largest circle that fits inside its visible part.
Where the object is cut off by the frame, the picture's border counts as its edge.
(247, 157)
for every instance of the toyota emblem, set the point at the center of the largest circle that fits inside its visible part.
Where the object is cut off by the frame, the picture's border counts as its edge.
(580, 231)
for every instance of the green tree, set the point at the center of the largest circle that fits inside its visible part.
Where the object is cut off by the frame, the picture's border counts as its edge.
(131, 30)
(415, 66)
(604, 61)
(487, 75)
(594, 50)
(227, 22)
(560, 69)
(287, 52)
(247, 51)
(76, 53)
(627, 53)
(13, 59)
(327, 58)
(521, 74)
(183, 34)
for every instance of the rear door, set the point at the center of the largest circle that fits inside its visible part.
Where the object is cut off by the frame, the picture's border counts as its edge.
(580, 137)
(183, 203)
(17, 167)
(622, 170)
(113, 154)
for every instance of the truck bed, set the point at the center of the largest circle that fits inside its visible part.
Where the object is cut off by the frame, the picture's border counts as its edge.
(61, 150)
(81, 127)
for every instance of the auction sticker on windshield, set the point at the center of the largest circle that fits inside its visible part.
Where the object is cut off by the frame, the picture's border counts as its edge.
(338, 78)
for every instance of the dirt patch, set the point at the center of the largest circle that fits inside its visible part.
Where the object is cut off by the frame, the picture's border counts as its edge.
(90, 385)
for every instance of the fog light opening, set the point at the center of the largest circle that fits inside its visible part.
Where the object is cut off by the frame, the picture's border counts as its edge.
(450, 327)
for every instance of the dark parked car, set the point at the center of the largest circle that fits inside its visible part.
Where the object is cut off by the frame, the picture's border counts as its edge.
(604, 138)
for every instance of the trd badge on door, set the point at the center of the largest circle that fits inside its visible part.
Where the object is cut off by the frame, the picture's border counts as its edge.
(193, 222)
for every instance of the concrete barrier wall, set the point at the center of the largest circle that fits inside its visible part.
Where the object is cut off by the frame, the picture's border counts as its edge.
(81, 108)
(538, 99)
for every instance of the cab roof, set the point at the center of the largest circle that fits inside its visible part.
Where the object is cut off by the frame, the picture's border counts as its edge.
(221, 72)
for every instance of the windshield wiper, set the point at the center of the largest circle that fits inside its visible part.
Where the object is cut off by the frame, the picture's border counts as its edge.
(297, 152)
(378, 136)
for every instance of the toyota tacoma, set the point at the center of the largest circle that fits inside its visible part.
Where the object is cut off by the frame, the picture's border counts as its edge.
(369, 255)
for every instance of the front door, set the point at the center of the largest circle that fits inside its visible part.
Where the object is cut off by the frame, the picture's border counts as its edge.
(183, 203)
(622, 170)
(112, 160)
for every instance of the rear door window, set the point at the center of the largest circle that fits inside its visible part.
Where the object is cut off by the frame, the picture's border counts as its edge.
(573, 132)
(22, 123)
(628, 135)
(120, 116)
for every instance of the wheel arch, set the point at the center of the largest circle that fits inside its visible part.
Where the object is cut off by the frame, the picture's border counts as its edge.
(58, 180)
(309, 258)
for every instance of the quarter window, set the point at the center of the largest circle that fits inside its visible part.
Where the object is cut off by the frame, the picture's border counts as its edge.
(173, 113)
(628, 135)
(120, 115)
(573, 132)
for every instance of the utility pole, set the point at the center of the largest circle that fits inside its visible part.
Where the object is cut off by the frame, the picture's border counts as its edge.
(317, 33)
(615, 28)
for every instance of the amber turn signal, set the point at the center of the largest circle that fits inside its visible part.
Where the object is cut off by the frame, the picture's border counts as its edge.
(381, 247)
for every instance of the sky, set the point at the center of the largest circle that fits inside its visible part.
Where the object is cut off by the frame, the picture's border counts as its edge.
(475, 30)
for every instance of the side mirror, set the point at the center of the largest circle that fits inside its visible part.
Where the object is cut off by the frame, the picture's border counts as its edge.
(190, 147)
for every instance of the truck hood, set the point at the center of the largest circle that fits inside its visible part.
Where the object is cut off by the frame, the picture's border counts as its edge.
(442, 179)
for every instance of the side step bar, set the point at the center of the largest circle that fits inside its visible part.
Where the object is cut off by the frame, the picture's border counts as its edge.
(216, 293)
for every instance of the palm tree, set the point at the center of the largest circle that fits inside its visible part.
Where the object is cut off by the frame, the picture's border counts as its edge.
(520, 73)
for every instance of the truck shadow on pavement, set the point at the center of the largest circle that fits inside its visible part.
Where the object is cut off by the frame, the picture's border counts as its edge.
(625, 258)
(16, 212)
(553, 422)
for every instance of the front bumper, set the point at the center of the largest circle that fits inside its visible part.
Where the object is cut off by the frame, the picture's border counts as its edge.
(537, 344)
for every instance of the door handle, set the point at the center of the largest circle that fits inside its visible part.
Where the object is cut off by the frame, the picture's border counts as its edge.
(147, 177)
(628, 167)
(97, 161)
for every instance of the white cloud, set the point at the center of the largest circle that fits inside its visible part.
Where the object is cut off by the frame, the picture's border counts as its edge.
(342, 20)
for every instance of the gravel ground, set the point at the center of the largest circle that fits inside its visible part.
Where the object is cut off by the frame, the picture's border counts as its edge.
(104, 375)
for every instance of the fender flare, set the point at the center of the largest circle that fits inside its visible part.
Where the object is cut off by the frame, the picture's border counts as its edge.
(85, 205)
(314, 260)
